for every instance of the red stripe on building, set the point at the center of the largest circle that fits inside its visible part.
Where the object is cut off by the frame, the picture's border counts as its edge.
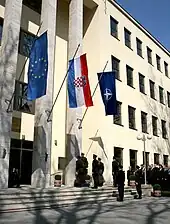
(86, 88)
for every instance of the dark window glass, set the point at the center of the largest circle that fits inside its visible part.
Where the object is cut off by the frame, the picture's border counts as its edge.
(139, 47)
(113, 27)
(165, 160)
(129, 72)
(144, 121)
(164, 132)
(166, 69)
(158, 62)
(26, 43)
(168, 98)
(155, 125)
(118, 117)
(141, 83)
(147, 158)
(20, 98)
(152, 89)
(127, 38)
(149, 54)
(34, 5)
(156, 158)
(115, 67)
(161, 95)
(131, 115)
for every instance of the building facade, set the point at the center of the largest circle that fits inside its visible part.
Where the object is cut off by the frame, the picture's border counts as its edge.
(109, 36)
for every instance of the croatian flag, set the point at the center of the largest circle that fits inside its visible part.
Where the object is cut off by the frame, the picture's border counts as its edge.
(78, 83)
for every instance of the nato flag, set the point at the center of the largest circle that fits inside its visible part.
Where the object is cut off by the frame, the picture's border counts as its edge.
(38, 68)
(108, 91)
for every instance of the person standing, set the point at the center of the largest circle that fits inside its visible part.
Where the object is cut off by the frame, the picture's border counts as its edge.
(85, 163)
(95, 171)
(101, 171)
(115, 168)
(79, 172)
(138, 180)
(121, 182)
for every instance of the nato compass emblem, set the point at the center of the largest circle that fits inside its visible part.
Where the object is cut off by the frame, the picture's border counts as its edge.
(108, 94)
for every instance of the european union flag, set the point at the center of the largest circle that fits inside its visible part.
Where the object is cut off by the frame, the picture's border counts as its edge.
(38, 68)
(108, 91)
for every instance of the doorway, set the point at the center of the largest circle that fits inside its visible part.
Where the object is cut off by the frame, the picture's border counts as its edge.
(147, 159)
(21, 159)
(133, 159)
(118, 153)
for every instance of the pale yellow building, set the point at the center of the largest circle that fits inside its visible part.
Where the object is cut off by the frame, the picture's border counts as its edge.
(108, 35)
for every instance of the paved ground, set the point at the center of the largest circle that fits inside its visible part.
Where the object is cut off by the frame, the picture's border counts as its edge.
(145, 211)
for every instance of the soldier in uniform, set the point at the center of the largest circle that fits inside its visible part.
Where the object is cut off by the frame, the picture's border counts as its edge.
(79, 172)
(95, 171)
(138, 179)
(101, 171)
(120, 182)
(115, 168)
(85, 163)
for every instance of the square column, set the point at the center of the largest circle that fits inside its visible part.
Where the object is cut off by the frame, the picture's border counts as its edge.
(8, 64)
(74, 135)
(41, 176)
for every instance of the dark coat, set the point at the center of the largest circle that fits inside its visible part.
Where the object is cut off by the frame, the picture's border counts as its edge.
(120, 177)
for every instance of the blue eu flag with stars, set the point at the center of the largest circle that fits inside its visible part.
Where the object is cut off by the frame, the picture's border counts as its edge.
(107, 85)
(38, 68)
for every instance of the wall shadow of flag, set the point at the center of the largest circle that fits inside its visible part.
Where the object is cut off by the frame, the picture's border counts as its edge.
(100, 142)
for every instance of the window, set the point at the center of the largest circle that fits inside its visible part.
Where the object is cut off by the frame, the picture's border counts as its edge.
(168, 99)
(127, 37)
(129, 72)
(152, 89)
(20, 98)
(34, 5)
(16, 124)
(164, 132)
(166, 68)
(155, 125)
(26, 42)
(158, 62)
(133, 159)
(131, 114)
(115, 67)
(141, 83)
(118, 117)
(139, 47)
(161, 95)
(156, 158)
(144, 121)
(165, 160)
(113, 27)
(149, 54)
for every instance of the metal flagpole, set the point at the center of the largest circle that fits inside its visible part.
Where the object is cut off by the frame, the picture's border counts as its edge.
(50, 112)
(10, 101)
(81, 120)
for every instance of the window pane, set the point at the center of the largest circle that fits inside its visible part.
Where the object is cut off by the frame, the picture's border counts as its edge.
(141, 83)
(115, 67)
(149, 53)
(131, 114)
(139, 47)
(118, 117)
(161, 95)
(129, 72)
(166, 69)
(154, 125)
(127, 38)
(144, 122)
(26, 42)
(113, 27)
(152, 89)
(158, 62)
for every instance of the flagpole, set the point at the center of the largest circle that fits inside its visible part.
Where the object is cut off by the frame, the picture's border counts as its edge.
(50, 112)
(10, 101)
(81, 120)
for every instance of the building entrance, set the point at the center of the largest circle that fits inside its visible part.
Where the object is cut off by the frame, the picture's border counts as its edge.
(21, 159)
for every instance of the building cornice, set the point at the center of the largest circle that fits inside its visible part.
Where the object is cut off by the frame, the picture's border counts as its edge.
(138, 25)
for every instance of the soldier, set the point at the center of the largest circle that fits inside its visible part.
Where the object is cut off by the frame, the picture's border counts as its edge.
(95, 172)
(115, 168)
(138, 179)
(85, 163)
(79, 172)
(120, 182)
(101, 171)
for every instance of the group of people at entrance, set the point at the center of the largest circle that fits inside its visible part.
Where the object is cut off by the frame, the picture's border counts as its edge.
(82, 177)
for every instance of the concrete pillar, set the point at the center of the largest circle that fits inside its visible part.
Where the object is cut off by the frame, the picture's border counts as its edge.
(74, 135)
(8, 64)
(43, 129)
(126, 160)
